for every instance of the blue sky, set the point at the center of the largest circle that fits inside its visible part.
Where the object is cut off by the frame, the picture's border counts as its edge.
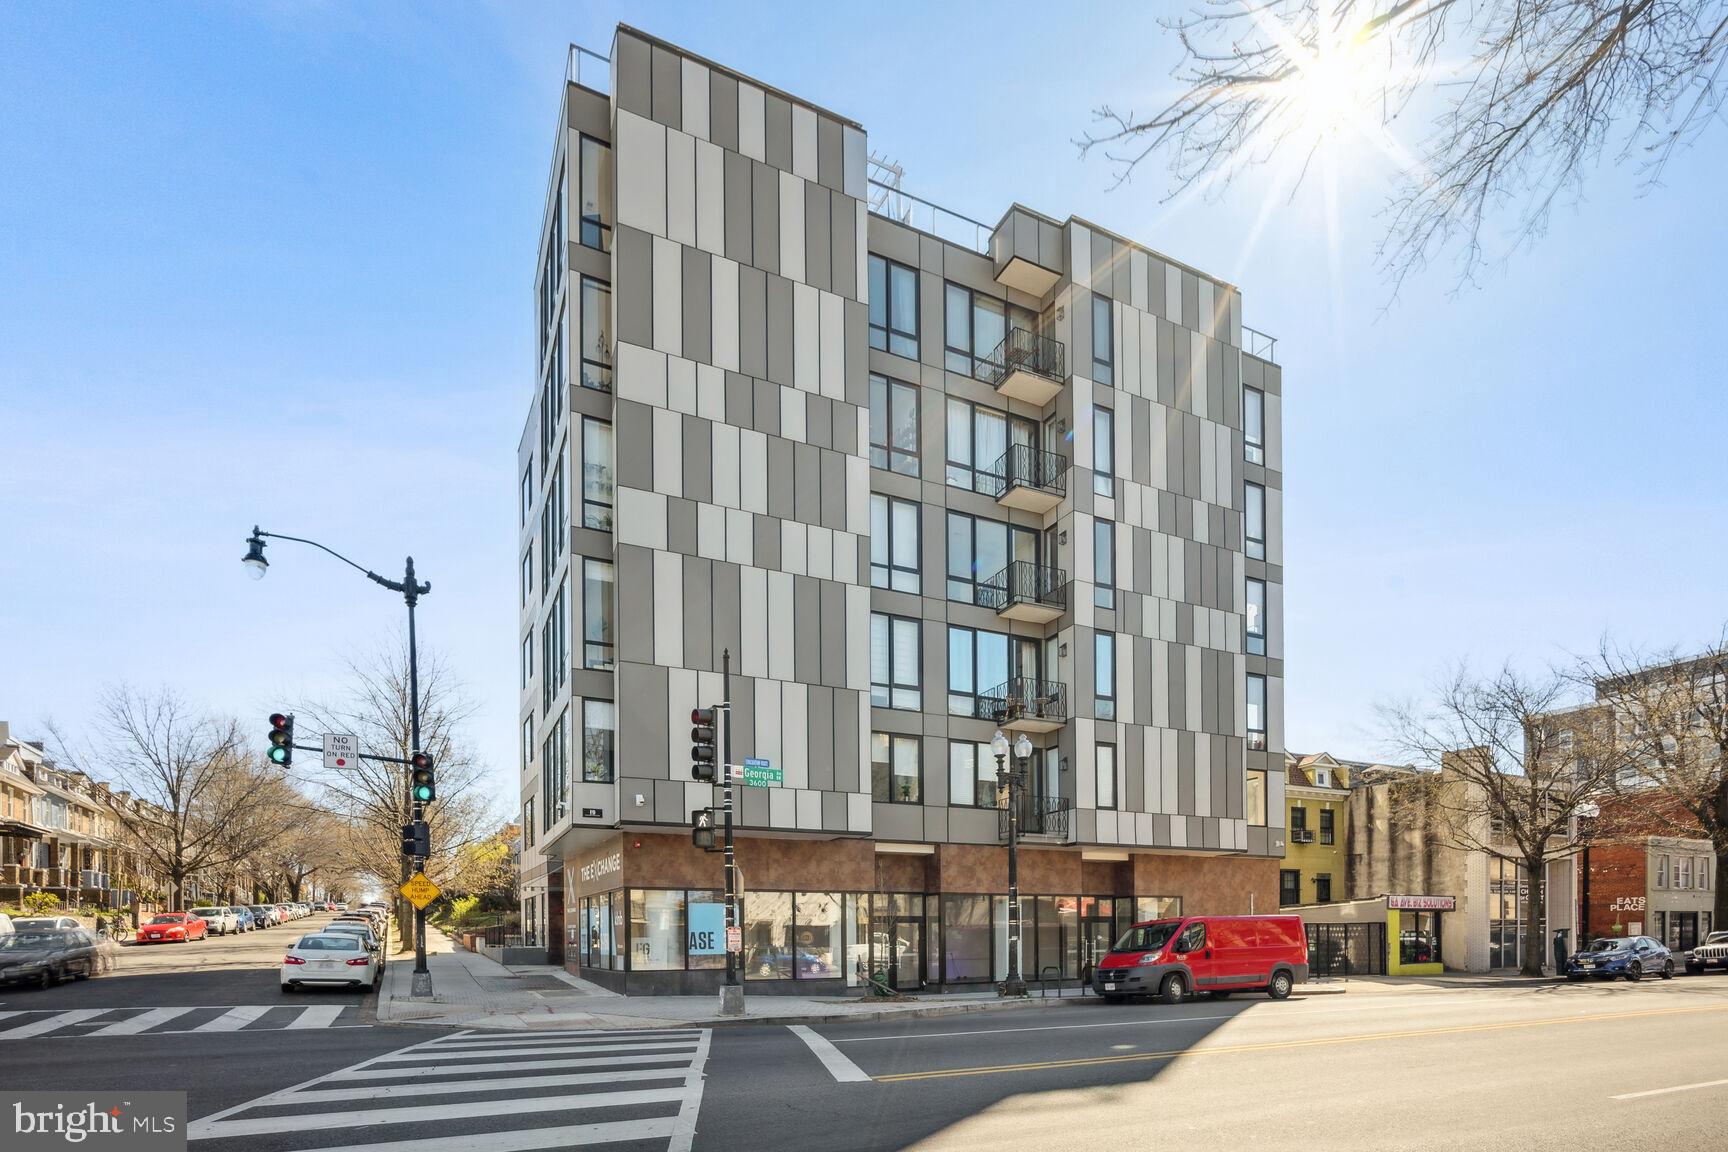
(273, 263)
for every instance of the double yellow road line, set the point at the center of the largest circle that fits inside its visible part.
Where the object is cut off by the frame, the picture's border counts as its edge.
(1284, 1045)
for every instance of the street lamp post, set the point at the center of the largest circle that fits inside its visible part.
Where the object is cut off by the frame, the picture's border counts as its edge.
(1010, 779)
(411, 590)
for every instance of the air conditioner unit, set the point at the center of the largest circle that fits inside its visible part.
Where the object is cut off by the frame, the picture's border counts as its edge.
(1302, 836)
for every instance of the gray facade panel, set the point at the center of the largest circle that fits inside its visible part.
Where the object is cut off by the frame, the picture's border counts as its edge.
(739, 399)
(807, 484)
(698, 463)
(737, 207)
(765, 531)
(634, 290)
(668, 89)
(754, 804)
(817, 249)
(842, 270)
(1185, 772)
(818, 421)
(633, 440)
(765, 217)
(681, 526)
(642, 721)
(833, 652)
(767, 414)
(780, 330)
(727, 629)
(830, 158)
(723, 110)
(635, 580)
(698, 312)
(778, 138)
(806, 629)
(781, 483)
(753, 324)
(634, 65)
(833, 490)
(834, 814)
(821, 720)
(857, 323)
(846, 765)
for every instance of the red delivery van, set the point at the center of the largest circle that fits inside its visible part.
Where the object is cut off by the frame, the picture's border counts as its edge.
(1172, 959)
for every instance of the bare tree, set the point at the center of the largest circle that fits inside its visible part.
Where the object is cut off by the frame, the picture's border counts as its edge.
(1671, 713)
(196, 801)
(1517, 769)
(1530, 94)
(371, 797)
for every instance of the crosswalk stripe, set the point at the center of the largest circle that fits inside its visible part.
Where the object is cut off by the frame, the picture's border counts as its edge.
(570, 1136)
(563, 1034)
(458, 1087)
(427, 1113)
(4, 1015)
(375, 1073)
(319, 1016)
(141, 1022)
(234, 1019)
(684, 1131)
(397, 1058)
(52, 1023)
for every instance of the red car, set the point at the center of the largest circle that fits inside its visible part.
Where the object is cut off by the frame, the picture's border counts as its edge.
(1172, 959)
(173, 927)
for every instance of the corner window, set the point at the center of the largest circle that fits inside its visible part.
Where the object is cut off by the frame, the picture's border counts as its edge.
(599, 725)
(977, 666)
(1103, 340)
(1106, 775)
(979, 552)
(1253, 425)
(596, 335)
(527, 491)
(528, 659)
(552, 391)
(1103, 451)
(978, 440)
(527, 743)
(528, 574)
(1254, 521)
(896, 769)
(1254, 624)
(894, 662)
(555, 772)
(1256, 712)
(894, 549)
(1254, 799)
(554, 652)
(971, 775)
(528, 829)
(1103, 563)
(597, 580)
(1104, 675)
(893, 307)
(893, 426)
(596, 474)
(595, 194)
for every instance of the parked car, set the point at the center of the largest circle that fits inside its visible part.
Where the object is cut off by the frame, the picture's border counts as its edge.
(268, 916)
(219, 920)
(6, 928)
(44, 923)
(173, 927)
(1609, 958)
(1714, 951)
(1218, 954)
(340, 906)
(243, 916)
(360, 931)
(329, 958)
(45, 956)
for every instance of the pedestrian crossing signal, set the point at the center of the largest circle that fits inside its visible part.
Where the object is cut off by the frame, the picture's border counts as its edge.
(702, 829)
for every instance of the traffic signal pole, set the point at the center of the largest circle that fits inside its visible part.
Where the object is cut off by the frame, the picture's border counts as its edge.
(422, 983)
(731, 993)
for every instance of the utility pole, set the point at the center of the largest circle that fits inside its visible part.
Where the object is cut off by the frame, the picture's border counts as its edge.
(731, 993)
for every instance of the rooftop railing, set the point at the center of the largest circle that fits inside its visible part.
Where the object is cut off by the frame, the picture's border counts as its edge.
(1259, 344)
(589, 70)
(904, 208)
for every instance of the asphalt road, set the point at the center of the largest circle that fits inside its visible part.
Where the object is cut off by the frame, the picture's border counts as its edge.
(1558, 1066)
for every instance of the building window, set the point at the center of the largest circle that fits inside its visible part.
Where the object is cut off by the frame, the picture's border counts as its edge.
(552, 526)
(656, 931)
(597, 579)
(1254, 522)
(1255, 624)
(893, 426)
(1326, 834)
(1103, 361)
(896, 768)
(1661, 871)
(1322, 887)
(1256, 712)
(552, 392)
(596, 335)
(1298, 823)
(527, 491)
(1104, 675)
(971, 775)
(596, 474)
(977, 666)
(599, 724)
(978, 439)
(1103, 451)
(894, 532)
(528, 574)
(979, 552)
(975, 326)
(893, 307)
(1289, 887)
(555, 772)
(528, 659)
(1103, 563)
(894, 662)
(1253, 425)
(527, 743)
(1106, 775)
(1254, 799)
(528, 829)
(1683, 872)
(552, 261)
(1704, 874)
(596, 195)
(554, 652)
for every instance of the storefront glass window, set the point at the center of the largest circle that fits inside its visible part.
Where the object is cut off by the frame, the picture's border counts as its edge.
(965, 938)
(767, 935)
(999, 926)
(1156, 908)
(857, 913)
(656, 931)
(818, 920)
(705, 896)
(1419, 938)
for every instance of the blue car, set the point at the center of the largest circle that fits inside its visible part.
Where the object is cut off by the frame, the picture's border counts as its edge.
(1610, 958)
(248, 922)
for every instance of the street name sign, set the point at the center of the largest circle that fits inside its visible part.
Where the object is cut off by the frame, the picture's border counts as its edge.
(760, 774)
(341, 750)
(420, 891)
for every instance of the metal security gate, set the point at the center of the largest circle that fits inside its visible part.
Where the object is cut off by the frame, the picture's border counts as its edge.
(1346, 949)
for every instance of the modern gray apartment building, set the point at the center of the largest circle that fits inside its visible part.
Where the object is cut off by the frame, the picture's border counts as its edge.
(924, 478)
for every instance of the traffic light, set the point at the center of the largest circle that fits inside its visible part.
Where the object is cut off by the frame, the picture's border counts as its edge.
(702, 722)
(420, 780)
(282, 739)
(416, 839)
(702, 829)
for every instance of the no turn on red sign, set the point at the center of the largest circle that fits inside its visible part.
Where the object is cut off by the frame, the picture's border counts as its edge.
(341, 750)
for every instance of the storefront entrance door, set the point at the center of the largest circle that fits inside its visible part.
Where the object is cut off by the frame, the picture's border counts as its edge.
(897, 940)
(1097, 932)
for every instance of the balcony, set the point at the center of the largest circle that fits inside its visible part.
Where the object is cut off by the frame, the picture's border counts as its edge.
(1025, 704)
(1025, 591)
(1041, 818)
(1027, 367)
(1027, 251)
(1027, 479)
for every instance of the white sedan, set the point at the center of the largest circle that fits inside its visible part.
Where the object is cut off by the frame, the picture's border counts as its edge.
(222, 921)
(329, 958)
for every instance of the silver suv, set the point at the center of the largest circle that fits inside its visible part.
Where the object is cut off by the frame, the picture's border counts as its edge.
(1714, 951)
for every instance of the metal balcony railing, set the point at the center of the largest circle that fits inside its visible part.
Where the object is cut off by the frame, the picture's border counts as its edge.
(1020, 583)
(1257, 343)
(1024, 466)
(1039, 816)
(1025, 697)
(589, 70)
(1026, 351)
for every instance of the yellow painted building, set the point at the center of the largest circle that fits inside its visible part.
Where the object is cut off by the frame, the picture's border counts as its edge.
(1317, 809)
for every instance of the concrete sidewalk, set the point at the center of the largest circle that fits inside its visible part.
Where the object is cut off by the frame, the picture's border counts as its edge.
(471, 991)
